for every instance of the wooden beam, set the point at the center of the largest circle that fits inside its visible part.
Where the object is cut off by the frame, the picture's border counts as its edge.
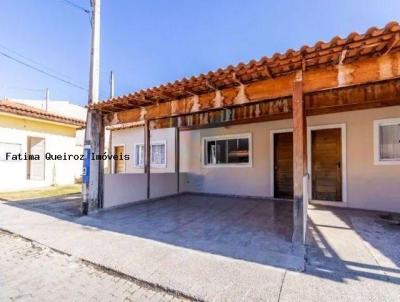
(374, 95)
(343, 75)
(392, 43)
(342, 56)
(299, 161)
(177, 158)
(147, 154)
(268, 71)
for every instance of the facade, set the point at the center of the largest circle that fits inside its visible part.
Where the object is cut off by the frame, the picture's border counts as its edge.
(366, 182)
(319, 124)
(30, 131)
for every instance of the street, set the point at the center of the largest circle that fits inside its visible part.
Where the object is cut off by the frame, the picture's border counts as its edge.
(33, 272)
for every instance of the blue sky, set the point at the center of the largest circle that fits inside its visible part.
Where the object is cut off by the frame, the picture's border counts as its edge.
(147, 43)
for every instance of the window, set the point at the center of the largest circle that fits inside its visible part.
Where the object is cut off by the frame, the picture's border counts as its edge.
(139, 156)
(227, 150)
(158, 155)
(12, 148)
(387, 141)
(158, 152)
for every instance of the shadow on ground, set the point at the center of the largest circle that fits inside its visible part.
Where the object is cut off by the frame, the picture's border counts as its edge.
(256, 230)
(64, 206)
(352, 244)
(342, 244)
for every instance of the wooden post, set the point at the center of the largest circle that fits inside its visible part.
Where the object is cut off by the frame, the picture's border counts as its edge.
(147, 159)
(177, 158)
(299, 160)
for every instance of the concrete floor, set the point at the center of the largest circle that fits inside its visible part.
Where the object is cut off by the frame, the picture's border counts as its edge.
(177, 244)
(352, 243)
(256, 230)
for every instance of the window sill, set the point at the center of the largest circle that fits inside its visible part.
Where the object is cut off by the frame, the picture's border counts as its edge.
(228, 166)
(152, 167)
(387, 162)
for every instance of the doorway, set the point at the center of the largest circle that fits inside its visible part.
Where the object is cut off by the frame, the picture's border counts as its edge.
(283, 165)
(36, 167)
(326, 148)
(326, 164)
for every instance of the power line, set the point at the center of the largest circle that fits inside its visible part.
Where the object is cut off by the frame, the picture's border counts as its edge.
(22, 88)
(72, 4)
(42, 71)
(39, 64)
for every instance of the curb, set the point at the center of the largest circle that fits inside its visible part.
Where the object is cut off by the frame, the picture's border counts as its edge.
(140, 282)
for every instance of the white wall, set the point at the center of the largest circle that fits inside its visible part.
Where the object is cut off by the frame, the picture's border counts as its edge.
(131, 136)
(58, 139)
(126, 188)
(368, 186)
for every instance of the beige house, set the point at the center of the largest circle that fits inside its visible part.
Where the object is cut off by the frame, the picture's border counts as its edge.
(320, 124)
(29, 136)
(365, 143)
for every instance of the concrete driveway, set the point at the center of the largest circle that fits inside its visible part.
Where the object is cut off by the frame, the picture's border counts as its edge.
(196, 245)
(256, 230)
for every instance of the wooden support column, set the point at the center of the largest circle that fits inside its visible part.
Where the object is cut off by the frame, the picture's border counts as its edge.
(299, 161)
(177, 158)
(147, 156)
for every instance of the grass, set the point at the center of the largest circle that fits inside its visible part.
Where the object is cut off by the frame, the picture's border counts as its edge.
(40, 193)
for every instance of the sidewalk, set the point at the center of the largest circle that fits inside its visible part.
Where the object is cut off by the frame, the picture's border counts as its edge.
(205, 276)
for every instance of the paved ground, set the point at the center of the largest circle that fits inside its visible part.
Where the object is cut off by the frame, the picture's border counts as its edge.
(33, 272)
(63, 206)
(351, 255)
(255, 230)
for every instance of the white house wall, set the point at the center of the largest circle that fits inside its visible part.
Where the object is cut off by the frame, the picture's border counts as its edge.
(131, 136)
(58, 139)
(369, 186)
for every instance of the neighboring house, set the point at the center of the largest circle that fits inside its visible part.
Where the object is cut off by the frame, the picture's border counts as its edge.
(64, 108)
(28, 130)
(320, 124)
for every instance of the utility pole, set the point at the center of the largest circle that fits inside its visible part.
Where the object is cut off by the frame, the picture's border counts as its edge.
(109, 132)
(112, 84)
(92, 176)
(47, 99)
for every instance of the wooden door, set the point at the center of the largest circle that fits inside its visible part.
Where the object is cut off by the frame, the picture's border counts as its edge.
(326, 157)
(283, 165)
(119, 164)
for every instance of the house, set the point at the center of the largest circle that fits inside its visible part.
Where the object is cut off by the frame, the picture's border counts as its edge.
(320, 124)
(30, 138)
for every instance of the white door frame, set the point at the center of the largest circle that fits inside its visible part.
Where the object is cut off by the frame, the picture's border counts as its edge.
(342, 126)
(272, 149)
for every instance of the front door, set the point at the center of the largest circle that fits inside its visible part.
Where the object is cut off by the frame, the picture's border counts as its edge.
(326, 164)
(36, 168)
(119, 164)
(283, 165)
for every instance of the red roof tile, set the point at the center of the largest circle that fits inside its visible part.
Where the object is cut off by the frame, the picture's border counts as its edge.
(375, 41)
(29, 111)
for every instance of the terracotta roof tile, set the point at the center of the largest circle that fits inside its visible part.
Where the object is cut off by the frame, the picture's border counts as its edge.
(365, 45)
(29, 111)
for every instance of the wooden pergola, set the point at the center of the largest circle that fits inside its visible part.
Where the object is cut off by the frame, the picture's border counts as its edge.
(358, 72)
